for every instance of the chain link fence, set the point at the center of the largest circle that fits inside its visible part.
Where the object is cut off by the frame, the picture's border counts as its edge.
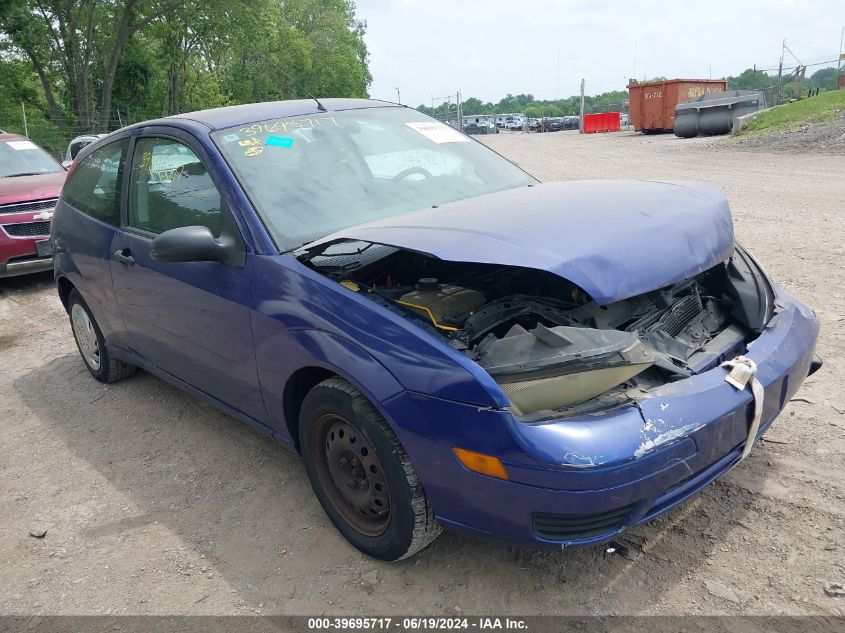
(19, 118)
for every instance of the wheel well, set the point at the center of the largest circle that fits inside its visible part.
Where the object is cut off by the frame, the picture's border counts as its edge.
(299, 384)
(64, 289)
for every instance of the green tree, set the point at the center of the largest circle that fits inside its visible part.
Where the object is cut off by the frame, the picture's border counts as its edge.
(20, 90)
(95, 60)
(76, 39)
(751, 79)
(823, 79)
(472, 106)
(524, 99)
(508, 104)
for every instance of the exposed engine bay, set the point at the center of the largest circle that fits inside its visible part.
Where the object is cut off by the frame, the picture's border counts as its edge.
(549, 346)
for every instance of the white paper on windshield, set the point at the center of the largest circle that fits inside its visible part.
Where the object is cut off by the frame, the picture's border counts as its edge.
(21, 144)
(437, 132)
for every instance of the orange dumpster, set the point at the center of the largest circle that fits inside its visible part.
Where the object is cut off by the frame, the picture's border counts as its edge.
(652, 105)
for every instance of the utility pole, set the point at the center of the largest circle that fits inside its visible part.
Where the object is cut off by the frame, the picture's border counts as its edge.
(776, 96)
(25, 129)
(398, 98)
(634, 74)
(581, 126)
(557, 81)
(839, 61)
(799, 80)
(460, 114)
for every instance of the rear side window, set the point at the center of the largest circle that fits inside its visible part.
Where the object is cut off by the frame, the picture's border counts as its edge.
(94, 186)
(75, 147)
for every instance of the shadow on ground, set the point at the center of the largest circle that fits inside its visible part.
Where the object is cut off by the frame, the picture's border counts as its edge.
(28, 284)
(245, 503)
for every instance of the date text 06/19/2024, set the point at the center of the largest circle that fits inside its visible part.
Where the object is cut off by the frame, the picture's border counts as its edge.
(415, 623)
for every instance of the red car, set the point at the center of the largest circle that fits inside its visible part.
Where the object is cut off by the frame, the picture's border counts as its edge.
(30, 183)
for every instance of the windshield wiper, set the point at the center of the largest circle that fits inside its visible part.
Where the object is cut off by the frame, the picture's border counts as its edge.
(320, 250)
(300, 251)
(32, 173)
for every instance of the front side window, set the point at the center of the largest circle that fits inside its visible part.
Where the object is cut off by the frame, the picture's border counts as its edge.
(94, 185)
(171, 188)
(310, 176)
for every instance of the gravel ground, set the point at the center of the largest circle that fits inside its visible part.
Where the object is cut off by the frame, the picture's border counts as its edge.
(155, 503)
(817, 138)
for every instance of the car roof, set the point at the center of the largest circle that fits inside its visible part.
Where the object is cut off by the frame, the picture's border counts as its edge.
(85, 137)
(230, 116)
(12, 137)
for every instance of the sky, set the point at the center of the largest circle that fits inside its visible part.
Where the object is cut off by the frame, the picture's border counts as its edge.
(486, 49)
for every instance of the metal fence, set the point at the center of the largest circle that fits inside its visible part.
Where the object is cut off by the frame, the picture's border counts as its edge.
(18, 118)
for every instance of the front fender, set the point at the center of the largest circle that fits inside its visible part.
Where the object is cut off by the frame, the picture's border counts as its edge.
(288, 298)
(316, 348)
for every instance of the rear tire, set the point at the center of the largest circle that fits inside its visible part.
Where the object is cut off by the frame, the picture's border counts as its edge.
(362, 475)
(91, 343)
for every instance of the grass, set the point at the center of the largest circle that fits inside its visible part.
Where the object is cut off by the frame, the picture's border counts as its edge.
(824, 108)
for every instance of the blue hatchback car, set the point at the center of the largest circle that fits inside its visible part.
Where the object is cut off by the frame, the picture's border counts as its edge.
(445, 341)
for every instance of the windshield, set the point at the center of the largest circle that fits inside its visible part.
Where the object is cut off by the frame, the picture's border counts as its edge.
(311, 176)
(24, 158)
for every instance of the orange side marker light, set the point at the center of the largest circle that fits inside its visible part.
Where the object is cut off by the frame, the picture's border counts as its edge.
(481, 463)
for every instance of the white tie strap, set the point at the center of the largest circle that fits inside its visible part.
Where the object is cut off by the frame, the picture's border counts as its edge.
(742, 371)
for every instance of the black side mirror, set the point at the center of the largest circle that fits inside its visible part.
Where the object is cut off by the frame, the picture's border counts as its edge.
(194, 244)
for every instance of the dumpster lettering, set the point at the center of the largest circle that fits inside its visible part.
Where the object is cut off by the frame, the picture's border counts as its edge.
(700, 91)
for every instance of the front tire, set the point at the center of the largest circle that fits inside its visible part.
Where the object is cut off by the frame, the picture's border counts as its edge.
(91, 343)
(362, 475)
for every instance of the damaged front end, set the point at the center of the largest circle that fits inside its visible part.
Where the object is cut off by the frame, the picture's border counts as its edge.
(553, 350)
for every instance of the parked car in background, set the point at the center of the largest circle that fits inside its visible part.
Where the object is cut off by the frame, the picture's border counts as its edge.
(30, 182)
(480, 127)
(514, 122)
(571, 122)
(444, 340)
(550, 124)
(77, 144)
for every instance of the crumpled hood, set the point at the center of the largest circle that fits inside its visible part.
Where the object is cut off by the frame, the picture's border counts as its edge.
(615, 239)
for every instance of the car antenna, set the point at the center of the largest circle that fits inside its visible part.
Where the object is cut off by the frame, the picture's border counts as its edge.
(307, 92)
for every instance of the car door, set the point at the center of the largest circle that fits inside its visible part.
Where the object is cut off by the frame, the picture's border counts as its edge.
(190, 319)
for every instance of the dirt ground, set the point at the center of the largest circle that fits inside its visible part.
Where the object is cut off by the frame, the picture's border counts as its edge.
(808, 138)
(155, 503)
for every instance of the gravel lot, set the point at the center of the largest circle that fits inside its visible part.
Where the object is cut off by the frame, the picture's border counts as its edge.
(155, 503)
(809, 138)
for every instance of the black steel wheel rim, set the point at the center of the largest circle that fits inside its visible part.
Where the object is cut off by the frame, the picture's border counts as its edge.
(351, 474)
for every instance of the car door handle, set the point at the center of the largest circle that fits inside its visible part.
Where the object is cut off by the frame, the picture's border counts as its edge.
(124, 256)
